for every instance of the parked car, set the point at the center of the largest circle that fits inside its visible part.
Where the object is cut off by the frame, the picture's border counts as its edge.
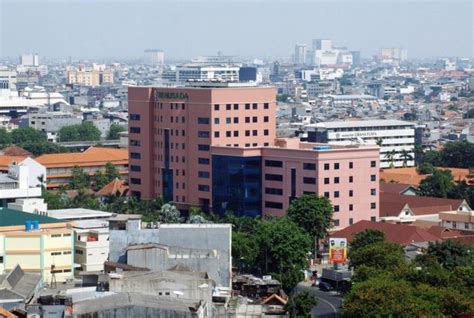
(325, 286)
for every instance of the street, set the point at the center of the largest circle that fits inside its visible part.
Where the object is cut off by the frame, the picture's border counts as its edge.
(329, 303)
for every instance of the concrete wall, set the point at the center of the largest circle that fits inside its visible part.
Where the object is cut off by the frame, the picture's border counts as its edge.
(198, 236)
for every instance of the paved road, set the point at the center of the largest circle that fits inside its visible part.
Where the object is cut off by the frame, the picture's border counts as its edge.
(329, 304)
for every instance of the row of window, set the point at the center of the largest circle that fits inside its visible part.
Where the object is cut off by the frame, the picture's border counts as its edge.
(312, 166)
(236, 106)
(279, 205)
(336, 194)
(351, 221)
(172, 106)
(310, 180)
(61, 253)
(61, 235)
(235, 133)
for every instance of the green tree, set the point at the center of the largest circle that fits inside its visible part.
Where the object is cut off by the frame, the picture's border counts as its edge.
(82, 132)
(419, 153)
(114, 131)
(300, 305)
(79, 179)
(169, 214)
(313, 214)
(433, 157)
(85, 200)
(5, 138)
(458, 154)
(99, 180)
(55, 200)
(38, 148)
(245, 249)
(450, 254)
(390, 156)
(111, 172)
(28, 134)
(439, 184)
(381, 255)
(406, 156)
(365, 238)
(425, 168)
(283, 248)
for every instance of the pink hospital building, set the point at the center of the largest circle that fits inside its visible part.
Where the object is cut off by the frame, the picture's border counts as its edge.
(215, 146)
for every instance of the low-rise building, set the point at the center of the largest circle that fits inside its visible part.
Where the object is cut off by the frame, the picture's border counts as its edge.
(39, 244)
(51, 122)
(460, 219)
(59, 166)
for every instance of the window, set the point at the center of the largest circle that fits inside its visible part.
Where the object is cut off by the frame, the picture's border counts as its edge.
(228, 106)
(228, 133)
(135, 143)
(203, 188)
(336, 208)
(326, 166)
(55, 235)
(135, 181)
(203, 161)
(135, 155)
(273, 205)
(265, 119)
(373, 191)
(203, 134)
(336, 166)
(336, 194)
(236, 106)
(309, 192)
(336, 222)
(236, 120)
(236, 133)
(351, 193)
(216, 107)
(326, 194)
(67, 253)
(55, 253)
(203, 147)
(309, 180)
(135, 130)
(216, 121)
(373, 205)
(247, 119)
(228, 120)
(217, 134)
(273, 163)
(254, 119)
(265, 132)
(254, 133)
(373, 218)
(351, 207)
(309, 166)
(135, 168)
(247, 106)
(373, 164)
(351, 221)
(351, 165)
(336, 180)
(274, 191)
(273, 177)
(351, 179)
(203, 174)
(265, 105)
(247, 133)
(254, 106)
(326, 180)
(134, 117)
(373, 177)
(203, 120)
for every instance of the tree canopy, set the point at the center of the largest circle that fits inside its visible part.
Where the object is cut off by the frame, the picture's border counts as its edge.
(82, 132)
(114, 131)
(300, 305)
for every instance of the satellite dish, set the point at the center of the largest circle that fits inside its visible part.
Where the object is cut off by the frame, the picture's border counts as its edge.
(178, 293)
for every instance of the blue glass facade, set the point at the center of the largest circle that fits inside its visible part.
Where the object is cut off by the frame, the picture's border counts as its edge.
(237, 185)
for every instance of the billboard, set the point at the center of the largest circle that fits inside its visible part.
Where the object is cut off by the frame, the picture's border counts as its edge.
(337, 250)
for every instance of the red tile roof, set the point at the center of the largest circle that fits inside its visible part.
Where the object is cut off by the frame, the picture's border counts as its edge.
(114, 187)
(14, 150)
(391, 204)
(395, 233)
(397, 188)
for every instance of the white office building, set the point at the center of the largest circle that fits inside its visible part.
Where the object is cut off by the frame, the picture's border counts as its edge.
(300, 54)
(154, 57)
(30, 59)
(193, 72)
(397, 138)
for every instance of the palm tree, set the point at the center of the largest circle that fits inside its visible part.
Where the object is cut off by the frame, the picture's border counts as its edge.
(406, 155)
(419, 151)
(390, 156)
(379, 141)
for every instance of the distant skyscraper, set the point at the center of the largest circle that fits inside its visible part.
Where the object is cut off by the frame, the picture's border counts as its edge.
(355, 57)
(322, 44)
(154, 57)
(393, 54)
(300, 54)
(31, 59)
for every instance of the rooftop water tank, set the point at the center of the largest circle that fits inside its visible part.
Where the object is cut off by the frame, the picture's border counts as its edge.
(27, 226)
(35, 225)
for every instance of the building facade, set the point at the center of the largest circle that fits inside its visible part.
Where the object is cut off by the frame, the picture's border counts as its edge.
(395, 137)
(216, 147)
(39, 244)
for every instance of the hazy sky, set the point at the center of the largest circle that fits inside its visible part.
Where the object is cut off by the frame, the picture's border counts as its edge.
(262, 28)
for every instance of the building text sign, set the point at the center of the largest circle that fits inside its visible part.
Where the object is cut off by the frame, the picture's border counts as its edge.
(171, 95)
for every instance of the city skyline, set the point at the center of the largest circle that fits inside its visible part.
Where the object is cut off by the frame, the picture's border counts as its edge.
(190, 28)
